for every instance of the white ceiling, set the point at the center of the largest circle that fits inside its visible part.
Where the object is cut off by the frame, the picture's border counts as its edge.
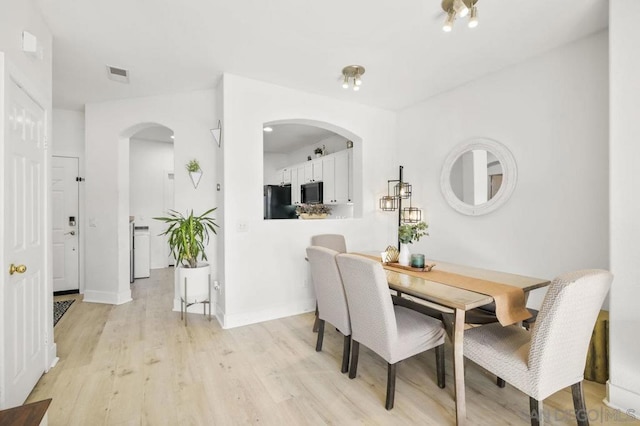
(288, 137)
(171, 46)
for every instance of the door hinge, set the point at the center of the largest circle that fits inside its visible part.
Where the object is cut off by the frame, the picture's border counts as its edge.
(79, 179)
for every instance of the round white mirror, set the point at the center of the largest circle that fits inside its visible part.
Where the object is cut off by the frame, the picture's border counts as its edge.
(478, 176)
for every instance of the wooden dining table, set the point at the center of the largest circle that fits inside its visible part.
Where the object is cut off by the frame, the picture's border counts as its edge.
(457, 302)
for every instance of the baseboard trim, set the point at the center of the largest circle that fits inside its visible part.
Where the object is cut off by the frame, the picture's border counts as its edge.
(65, 292)
(107, 297)
(239, 320)
(623, 400)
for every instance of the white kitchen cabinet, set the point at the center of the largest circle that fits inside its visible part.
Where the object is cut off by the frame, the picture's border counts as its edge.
(336, 172)
(313, 171)
(284, 175)
(297, 179)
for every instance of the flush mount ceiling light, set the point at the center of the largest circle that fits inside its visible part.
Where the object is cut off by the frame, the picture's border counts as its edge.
(352, 76)
(267, 129)
(459, 8)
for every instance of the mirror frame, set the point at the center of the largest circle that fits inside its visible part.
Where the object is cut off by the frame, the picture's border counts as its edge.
(509, 173)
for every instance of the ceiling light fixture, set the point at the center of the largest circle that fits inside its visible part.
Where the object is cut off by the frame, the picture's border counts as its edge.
(352, 76)
(268, 129)
(461, 8)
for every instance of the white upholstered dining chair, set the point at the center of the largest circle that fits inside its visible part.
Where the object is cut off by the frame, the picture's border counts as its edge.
(553, 355)
(332, 302)
(331, 241)
(393, 332)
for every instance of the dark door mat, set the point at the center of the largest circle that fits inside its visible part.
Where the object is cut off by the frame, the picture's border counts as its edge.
(59, 308)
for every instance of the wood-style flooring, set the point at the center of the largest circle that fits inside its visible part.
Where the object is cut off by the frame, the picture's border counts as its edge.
(137, 364)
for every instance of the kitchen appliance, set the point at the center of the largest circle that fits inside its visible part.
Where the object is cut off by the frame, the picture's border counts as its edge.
(131, 250)
(277, 202)
(141, 262)
(311, 193)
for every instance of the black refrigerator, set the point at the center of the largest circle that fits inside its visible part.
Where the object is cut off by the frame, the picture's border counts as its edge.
(277, 202)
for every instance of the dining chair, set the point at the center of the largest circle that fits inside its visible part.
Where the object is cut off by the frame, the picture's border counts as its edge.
(486, 314)
(393, 332)
(552, 356)
(331, 241)
(332, 302)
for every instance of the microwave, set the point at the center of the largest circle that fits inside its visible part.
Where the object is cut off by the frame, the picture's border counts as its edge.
(311, 193)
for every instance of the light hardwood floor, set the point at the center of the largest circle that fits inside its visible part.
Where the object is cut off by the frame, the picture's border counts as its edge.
(137, 364)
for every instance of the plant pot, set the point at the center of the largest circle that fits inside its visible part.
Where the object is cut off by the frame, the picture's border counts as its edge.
(405, 255)
(193, 284)
(195, 178)
(314, 216)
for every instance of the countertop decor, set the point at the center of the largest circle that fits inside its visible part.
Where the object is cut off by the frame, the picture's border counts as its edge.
(313, 211)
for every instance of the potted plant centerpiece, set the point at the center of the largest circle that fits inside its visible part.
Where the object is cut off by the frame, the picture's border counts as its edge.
(313, 211)
(188, 236)
(407, 234)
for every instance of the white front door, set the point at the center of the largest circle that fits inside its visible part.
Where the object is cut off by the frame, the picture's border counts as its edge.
(64, 205)
(23, 239)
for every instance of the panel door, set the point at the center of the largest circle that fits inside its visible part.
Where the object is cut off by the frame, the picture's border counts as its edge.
(23, 292)
(64, 205)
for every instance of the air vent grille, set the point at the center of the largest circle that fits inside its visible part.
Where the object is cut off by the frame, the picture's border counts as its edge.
(118, 74)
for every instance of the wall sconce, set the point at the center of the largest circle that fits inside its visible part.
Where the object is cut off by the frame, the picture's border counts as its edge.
(401, 191)
(217, 133)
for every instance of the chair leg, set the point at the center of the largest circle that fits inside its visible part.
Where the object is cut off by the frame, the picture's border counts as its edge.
(316, 321)
(582, 416)
(500, 382)
(345, 354)
(355, 350)
(440, 366)
(320, 335)
(391, 385)
(535, 408)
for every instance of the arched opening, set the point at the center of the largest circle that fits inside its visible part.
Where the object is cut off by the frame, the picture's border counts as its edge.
(146, 182)
(310, 165)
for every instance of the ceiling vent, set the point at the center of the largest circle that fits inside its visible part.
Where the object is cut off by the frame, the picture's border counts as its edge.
(118, 74)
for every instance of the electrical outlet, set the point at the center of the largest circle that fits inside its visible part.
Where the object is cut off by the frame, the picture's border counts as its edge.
(243, 227)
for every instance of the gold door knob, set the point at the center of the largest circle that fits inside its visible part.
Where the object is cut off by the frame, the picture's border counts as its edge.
(21, 269)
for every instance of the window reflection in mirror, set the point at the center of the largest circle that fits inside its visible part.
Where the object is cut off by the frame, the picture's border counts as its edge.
(476, 177)
(305, 164)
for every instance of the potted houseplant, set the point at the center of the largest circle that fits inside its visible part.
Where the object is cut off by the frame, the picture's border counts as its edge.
(188, 236)
(407, 234)
(195, 172)
(313, 211)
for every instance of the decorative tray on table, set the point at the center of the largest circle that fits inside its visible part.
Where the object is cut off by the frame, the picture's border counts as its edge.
(428, 267)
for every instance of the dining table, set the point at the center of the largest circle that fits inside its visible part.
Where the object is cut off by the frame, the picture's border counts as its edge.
(443, 292)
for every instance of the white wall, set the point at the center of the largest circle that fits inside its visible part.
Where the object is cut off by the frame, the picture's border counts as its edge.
(624, 383)
(551, 112)
(265, 274)
(16, 17)
(109, 125)
(149, 164)
(68, 141)
(332, 144)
